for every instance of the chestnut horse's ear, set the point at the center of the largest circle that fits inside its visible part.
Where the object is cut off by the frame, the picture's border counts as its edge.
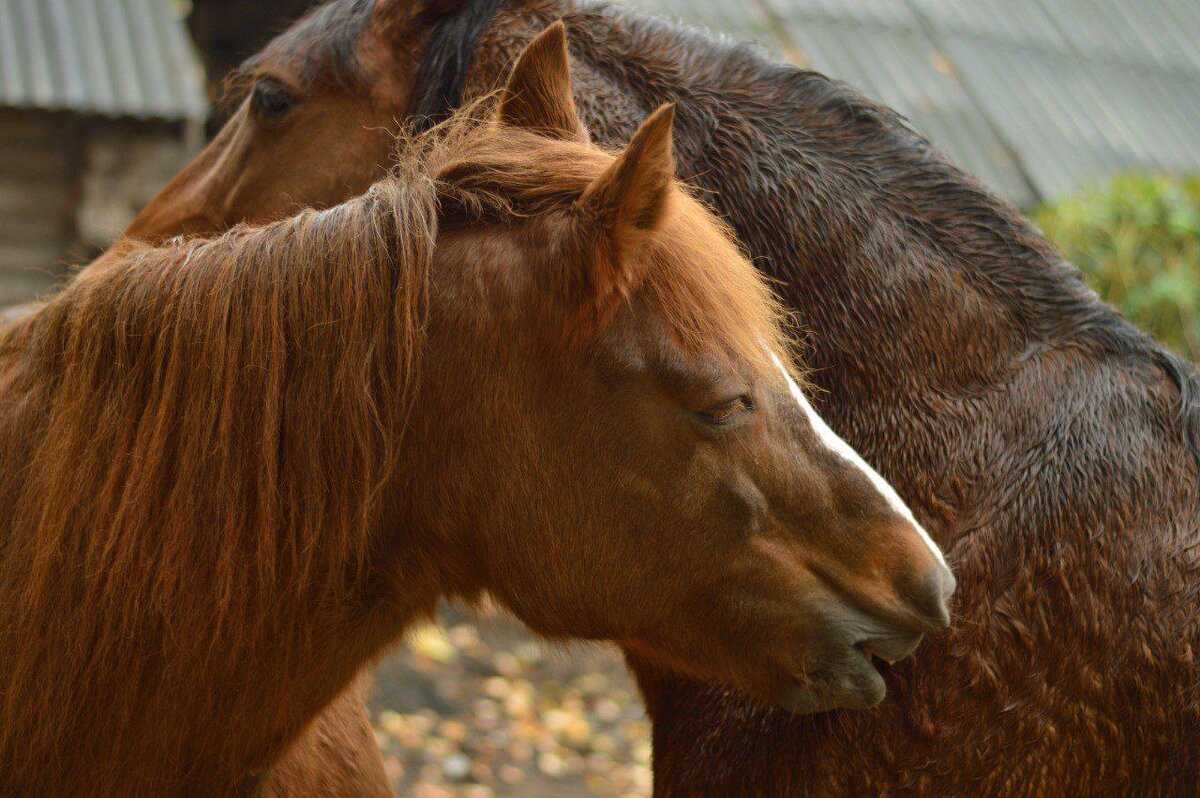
(538, 93)
(630, 197)
(628, 201)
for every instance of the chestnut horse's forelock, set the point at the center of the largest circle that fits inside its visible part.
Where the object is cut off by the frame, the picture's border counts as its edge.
(192, 434)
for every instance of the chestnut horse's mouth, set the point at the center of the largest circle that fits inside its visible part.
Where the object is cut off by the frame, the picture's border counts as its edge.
(853, 679)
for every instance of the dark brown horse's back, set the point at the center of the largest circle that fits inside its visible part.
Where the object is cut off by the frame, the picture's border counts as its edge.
(1050, 446)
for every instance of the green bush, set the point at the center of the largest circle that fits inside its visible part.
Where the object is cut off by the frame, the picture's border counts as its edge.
(1137, 241)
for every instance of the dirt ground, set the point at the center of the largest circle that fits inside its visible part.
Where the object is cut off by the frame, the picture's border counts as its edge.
(475, 707)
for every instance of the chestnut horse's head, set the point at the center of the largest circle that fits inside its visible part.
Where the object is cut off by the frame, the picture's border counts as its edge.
(650, 472)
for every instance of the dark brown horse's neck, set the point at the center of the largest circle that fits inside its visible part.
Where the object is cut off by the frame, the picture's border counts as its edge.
(917, 288)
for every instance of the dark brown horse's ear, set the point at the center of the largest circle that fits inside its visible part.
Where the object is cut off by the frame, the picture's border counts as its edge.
(538, 93)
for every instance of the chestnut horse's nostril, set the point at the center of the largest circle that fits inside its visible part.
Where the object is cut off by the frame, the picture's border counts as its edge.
(932, 599)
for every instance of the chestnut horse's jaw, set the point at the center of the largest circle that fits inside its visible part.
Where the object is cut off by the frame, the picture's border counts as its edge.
(835, 443)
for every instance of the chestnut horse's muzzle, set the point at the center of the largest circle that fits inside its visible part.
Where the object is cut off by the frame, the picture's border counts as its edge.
(856, 643)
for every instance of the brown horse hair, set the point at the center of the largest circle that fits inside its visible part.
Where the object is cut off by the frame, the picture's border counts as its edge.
(195, 436)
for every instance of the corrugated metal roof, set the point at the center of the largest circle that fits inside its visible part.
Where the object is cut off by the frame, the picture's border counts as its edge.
(1035, 96)
(1079, 90)
(111, 57)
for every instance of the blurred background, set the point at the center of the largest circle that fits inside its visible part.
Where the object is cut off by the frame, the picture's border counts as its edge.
(1085, 113)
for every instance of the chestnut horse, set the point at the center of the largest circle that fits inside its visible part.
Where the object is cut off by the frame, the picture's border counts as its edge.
(1049, 446)
(236, 469)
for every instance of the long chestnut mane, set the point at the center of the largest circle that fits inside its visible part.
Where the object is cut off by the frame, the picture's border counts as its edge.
(195, 437)
(192, 435)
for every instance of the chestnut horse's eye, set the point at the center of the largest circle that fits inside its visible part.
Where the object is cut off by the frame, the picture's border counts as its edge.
(727, 412)
(271, 100)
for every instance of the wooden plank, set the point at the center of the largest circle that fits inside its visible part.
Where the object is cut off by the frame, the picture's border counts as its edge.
(33, 127)
(25, 231)
(45, 255)
(30, 163)
(39, 192)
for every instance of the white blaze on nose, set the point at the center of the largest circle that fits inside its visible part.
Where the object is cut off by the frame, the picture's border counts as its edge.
(835, 444)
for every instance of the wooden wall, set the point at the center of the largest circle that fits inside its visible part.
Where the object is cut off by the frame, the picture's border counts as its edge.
(69, 184)
(41, 158)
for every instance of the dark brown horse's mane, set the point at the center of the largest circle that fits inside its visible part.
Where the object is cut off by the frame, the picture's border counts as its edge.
(442, 74)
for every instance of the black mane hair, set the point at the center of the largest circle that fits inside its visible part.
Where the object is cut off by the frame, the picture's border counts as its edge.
(438, 86)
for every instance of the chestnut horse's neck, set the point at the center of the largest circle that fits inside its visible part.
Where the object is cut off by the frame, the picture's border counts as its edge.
(194, 439)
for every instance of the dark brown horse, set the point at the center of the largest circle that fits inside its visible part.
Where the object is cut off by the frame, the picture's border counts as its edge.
(1047, 445)
(236, 469)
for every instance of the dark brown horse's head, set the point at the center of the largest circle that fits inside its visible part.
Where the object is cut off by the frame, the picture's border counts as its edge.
(317, 123)
(663, 482)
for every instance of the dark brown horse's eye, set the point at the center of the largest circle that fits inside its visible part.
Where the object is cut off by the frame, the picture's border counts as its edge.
(727, 412)
(271, 100)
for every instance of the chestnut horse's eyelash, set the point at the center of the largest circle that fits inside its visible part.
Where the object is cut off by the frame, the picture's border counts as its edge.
(725, 412)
